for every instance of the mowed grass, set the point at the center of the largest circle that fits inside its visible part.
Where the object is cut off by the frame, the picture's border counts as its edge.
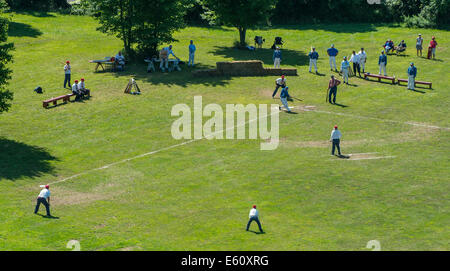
(197, 196)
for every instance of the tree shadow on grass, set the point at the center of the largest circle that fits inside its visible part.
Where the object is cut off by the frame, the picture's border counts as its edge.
(18, 160)
(23, 30)
(183, 78)
(289, 57)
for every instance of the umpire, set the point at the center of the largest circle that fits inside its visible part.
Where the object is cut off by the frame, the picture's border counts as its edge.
(44, 198)
(335, 139)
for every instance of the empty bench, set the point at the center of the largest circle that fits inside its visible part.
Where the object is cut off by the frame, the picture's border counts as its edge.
(415, 83)
(392, 79)
(64, 98)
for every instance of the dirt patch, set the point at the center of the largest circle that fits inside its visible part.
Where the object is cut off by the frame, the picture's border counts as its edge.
(366, 156)
(130, 248)
(62, 196)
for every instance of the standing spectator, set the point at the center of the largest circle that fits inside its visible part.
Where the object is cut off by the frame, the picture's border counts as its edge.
(280, 82)
(382, 62)
(335, 140)
(120, 60)
(412, 72)
(192, 49)
(44, 198)
(164, 57)
(332, 88)
(82, 88)
(254, 216)
(67, 71)
(355, 60)
(433, 44)
(332, 53)
(284, 95)
(362, 59)
(313, 56)
(345, 66)
(419, 43)
(276, 57)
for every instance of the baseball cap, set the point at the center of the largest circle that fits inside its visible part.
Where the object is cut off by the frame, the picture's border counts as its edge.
(254, 206)
(335, 127)
(47, 186)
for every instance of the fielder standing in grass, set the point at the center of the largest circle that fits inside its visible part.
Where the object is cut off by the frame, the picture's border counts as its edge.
(332, 53)
(192, 50)
(313, 57)
(332, 88)
(254, 216)
(412, 72)
(335, 140)
(355, 60)
(279, 83)
(67, 72)
(44, 198)
(419, 45)
(382, 62)
(362, 59)
(345, 65)
(277, 57)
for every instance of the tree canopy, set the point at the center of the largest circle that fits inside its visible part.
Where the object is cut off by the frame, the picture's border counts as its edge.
(5, 57)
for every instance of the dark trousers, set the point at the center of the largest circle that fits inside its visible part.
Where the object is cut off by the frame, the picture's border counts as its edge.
(254, 218)
(333, 91)
(86, 92)
(43, 201)
(356, 67)
(336, 144)
(67, 80)
(276, 89)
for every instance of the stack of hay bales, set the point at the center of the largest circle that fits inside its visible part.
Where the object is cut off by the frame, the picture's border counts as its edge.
(243, 68)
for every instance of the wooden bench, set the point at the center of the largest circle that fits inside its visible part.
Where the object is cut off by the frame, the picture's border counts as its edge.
(379, 77)
(65, 99)
(415, 83)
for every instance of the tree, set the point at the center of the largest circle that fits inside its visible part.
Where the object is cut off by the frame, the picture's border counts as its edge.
(5, 58)
(37, 4)
(242, 14)
(140, 22)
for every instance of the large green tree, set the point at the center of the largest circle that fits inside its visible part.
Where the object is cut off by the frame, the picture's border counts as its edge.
(5, 57)
(141, 24)
(242, 14)
(37, 4)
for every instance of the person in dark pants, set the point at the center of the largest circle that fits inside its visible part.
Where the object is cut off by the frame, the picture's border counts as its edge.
(335, 139)
(332, 88)
(67, 71)
(44, 198)
(254, 216)
(280, 83)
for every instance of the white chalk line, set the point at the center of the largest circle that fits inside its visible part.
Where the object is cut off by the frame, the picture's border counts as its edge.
(378, 119)
(157, 151)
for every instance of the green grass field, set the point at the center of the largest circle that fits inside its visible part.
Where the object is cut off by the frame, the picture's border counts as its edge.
(197, 196)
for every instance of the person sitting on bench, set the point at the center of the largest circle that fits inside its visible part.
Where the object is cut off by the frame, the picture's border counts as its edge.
(82, 88)
(120, 60)
(401, 47)
(76, 91)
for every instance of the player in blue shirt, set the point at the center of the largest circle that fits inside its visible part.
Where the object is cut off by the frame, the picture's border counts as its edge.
(332, 53)
(192, 50)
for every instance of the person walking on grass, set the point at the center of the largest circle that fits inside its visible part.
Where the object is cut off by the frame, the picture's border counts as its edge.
(345, 66)
(355, 60)
(280, 83)
(335, 140)
(254, 216)
(382, 62)
(332, 88)
(412, 72)
(277, 57)
(284, 96)
(419, 45)
(362, 59)
(433, 44)
(313, 57)
(192, 50)
(332, 53)
(44, 198)
(67, 72)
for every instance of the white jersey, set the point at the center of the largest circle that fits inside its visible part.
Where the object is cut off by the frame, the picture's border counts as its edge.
(45, 193)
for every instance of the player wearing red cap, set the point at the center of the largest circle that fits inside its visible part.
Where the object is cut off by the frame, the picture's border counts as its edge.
(280, 83)
(335, 140)
(76, 91)
(67, 71)
(83, 89)
(254, 216)
(44, 198)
